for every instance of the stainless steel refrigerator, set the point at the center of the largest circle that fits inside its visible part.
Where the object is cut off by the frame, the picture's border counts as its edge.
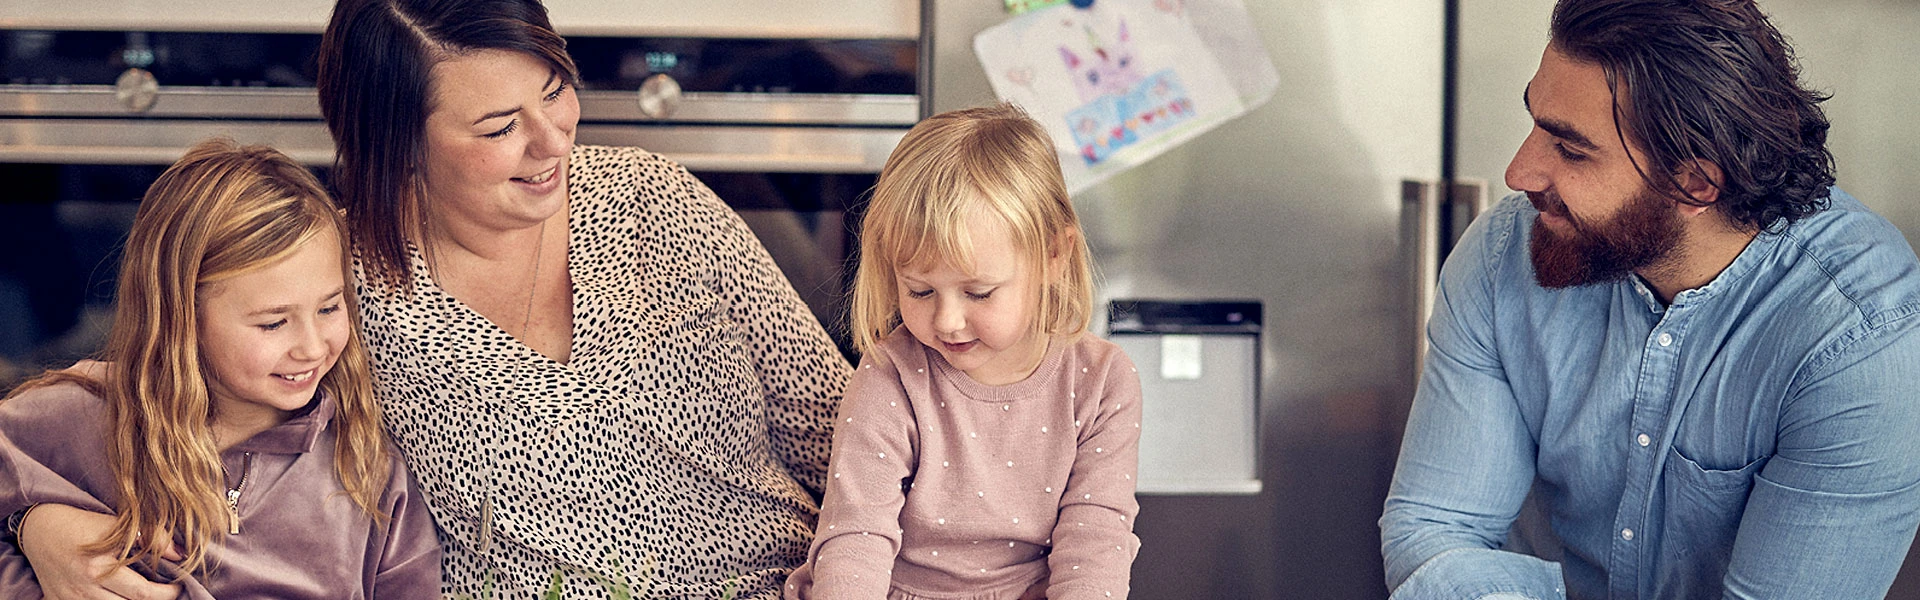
(1300, 204)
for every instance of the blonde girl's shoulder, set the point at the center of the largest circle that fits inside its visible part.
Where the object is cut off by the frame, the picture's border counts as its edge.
(1095, 350)
(897, 359)
(90, 369)
(889, 354)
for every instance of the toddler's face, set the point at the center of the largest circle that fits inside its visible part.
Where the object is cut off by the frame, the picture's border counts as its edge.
(979, 319)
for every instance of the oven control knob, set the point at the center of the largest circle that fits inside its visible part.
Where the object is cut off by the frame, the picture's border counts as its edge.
(659, 96)
(136, 89)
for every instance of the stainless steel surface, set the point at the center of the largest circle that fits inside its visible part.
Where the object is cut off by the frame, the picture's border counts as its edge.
(659, 96)
(1296, 204)
(832, 133)
(762, 149)
(1469, 198)
(924, 86)
(896, 19)
(700, 148)
(214, 103)
(154, 142)
(893, 19)
(1422, 206)
(595, 105)
(763, 109)
(1420, 221)
(1199, 434)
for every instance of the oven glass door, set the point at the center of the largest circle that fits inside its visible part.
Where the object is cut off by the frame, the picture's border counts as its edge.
(62, 226)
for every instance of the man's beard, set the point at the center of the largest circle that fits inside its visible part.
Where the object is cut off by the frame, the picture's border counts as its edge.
(1643, 234)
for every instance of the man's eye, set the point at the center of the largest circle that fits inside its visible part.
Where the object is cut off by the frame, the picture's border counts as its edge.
(1566, 154)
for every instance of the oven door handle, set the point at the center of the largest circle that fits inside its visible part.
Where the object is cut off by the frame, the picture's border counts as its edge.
(771, 163)
(135, 155)
(755, 149)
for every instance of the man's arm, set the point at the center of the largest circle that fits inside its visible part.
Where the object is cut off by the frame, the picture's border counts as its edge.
(1467, 459)
(1833, 512)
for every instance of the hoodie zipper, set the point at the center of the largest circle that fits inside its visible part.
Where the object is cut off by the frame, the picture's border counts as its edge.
(233, 495)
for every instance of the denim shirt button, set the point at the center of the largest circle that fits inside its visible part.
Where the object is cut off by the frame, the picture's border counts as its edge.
(1644, 440)
(1666, 339)
(1626, 534)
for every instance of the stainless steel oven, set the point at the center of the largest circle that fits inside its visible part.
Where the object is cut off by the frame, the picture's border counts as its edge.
(786, 108)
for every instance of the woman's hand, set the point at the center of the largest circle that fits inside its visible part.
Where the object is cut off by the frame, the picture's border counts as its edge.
(52, 537)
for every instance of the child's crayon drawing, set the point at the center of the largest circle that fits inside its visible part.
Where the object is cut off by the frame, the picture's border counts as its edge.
(1115, 84)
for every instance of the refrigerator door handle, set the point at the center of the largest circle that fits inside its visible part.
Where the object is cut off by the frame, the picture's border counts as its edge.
(1420, 224)
(1466, 199)
(1433, 223)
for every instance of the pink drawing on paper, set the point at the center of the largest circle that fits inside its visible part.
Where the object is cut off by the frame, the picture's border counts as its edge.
(1107, 70)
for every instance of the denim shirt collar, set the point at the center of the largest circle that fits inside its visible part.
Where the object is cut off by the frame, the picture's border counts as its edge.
(1756, 252)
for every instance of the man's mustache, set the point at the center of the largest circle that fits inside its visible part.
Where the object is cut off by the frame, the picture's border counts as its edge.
(1549, 203)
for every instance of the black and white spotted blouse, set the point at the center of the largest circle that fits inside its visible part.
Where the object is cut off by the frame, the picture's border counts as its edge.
(683, 445)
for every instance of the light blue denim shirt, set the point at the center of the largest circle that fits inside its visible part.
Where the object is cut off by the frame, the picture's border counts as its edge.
(1757, 438)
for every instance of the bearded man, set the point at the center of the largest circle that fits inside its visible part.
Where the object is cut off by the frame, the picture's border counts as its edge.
(1701, 358)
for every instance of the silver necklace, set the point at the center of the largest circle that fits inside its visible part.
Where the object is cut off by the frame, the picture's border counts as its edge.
(533, 291)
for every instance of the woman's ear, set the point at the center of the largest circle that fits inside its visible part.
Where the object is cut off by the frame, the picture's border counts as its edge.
(1699, 179)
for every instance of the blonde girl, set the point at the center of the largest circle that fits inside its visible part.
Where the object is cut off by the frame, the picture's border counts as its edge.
(229, 426)
(987, 445)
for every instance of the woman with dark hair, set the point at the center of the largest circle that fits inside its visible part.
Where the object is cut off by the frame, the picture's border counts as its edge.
(596, 372)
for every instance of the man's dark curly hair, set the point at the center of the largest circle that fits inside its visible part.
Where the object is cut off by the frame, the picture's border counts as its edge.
(1713, 80)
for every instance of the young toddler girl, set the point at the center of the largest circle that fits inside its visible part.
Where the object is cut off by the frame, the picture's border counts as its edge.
(987, 445)
(230, 424)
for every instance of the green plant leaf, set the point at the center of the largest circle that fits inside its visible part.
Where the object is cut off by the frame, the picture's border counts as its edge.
(555, 588)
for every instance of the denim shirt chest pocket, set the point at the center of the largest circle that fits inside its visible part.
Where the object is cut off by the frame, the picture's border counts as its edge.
(1704, 506)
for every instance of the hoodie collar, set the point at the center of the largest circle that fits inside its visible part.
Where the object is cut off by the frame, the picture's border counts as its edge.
(298, 434)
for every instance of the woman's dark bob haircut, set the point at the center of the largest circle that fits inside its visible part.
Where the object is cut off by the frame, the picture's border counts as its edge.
(376, 59)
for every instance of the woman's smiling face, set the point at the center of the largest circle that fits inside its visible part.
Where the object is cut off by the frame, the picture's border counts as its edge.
(499, 127)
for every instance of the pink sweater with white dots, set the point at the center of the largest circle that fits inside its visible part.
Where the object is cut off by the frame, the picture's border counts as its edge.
(942, 487)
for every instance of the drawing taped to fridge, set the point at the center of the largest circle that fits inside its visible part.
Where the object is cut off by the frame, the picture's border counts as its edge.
(1115, 84)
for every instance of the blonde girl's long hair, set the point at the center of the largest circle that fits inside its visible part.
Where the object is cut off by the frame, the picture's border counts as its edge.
(991, 160)
(221, 211)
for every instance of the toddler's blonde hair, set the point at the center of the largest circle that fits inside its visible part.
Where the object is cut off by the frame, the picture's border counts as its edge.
(993, 161)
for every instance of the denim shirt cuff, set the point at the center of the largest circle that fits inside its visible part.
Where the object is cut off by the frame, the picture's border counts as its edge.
(1483, 574)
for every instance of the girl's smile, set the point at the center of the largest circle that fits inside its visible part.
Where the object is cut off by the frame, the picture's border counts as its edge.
(268, 335)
